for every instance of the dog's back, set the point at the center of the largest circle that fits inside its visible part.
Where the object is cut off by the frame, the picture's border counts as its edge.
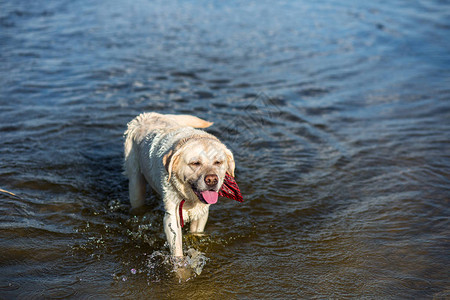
(143, 124)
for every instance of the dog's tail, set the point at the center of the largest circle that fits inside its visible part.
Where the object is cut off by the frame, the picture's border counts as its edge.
(188, 120)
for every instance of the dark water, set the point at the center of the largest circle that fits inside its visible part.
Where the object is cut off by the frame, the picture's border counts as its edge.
(338, 113)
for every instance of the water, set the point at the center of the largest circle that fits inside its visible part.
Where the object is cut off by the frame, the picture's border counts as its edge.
(337, 112)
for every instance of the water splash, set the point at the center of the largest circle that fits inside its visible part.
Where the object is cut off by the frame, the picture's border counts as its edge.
(185, 268)
(161, 266)
(192, 263)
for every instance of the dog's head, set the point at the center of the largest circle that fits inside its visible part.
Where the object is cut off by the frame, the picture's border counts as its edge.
(200, 165)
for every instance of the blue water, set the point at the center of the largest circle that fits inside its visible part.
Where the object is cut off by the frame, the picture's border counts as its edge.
(337, 113)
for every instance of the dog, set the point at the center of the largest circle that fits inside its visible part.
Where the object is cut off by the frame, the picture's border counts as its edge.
(186, 166)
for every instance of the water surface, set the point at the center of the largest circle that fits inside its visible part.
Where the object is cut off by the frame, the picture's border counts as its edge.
(337, 113)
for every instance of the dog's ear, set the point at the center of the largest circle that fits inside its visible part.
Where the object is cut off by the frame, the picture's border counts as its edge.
(170, 161)
(230, 162)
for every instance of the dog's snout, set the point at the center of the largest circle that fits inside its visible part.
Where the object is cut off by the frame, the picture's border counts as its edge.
(211, 179)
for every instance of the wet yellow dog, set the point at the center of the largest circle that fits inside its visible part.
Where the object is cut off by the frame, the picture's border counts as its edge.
(186, 166)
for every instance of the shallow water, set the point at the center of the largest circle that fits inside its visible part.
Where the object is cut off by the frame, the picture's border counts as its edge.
(337, 112)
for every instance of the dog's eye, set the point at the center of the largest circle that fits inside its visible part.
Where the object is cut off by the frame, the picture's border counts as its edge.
(195, 163)
(217, 163)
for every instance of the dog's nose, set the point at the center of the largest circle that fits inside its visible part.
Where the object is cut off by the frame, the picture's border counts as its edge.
(211, 179)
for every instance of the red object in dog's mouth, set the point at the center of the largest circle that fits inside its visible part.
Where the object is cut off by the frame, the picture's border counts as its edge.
(209, 197)
(230, 189)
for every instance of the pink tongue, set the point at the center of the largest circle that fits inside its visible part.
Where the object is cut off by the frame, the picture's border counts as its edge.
(210, 196)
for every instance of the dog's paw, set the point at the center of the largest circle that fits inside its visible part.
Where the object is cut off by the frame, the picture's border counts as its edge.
(189, 266)
(182, 269)
(184, 273)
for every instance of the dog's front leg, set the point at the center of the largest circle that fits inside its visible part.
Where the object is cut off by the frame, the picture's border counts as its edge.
(198, 225)
(172, 230)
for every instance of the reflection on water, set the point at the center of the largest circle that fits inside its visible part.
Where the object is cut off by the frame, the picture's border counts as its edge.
(337, 113)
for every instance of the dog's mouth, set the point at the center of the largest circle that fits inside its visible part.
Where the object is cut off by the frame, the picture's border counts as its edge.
(207, 197)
